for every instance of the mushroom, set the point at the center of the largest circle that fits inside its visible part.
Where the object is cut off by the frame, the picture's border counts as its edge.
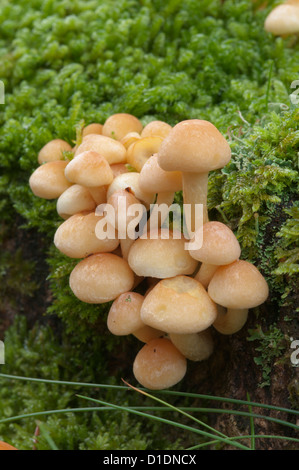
(219, 247)
(141, 150)
(93, 128)
(112, 150)
(178, 305)
(159, 365)
(120, 124)
(53, 151)
(238, 286)
(120, 201)
(130, 138)
(161, 254)
(165, 183)
(5, 446)
(75, 199)
(283, 19)
(100, 278)
(48, 181)
(89, 169)
(130, 182)
(194, 346)
(159, 128)
(76, 237)
(124, 318)
(194, 147)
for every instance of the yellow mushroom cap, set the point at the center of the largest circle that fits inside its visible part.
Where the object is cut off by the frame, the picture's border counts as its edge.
(194, 146)
(76, 237)
(75, 199)
(157, 127)
(194, 346)
(120, 124)
(100, 278)
(89, 169)
(178, 305)
(53, 151)
(48, 181)
(283, 19)
(159, 365)
(93, 128)
(238, 285)
(124, 314)
(219, 247)
(154, 179)
(112, 150)
(162, 256)
(141, 150)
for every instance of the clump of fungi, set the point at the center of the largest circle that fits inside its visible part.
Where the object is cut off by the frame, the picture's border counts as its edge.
(187, 291)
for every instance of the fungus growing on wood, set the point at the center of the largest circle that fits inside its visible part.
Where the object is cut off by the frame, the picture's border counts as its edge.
(238, 286)
(159, 365)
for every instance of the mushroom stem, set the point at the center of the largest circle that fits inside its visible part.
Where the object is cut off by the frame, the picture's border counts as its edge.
(205, 273)
(195, 191)
(232, 321)
(154, 222)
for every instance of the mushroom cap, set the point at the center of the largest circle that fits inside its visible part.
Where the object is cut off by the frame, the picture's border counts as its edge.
(76, 237)
(48, 181)
(93, 128)
(194, 346)
(5, 446)
(159, 365)
(194, 146)
(219, 247)
(142, 149)
(53, 151)
(283, 19)
(154, 180)
(161, 255)
(130, 138)
(238, 285)
(160, 128)
(100, 278)
(178, 305)
(124, 314)
(120, 124)
(75, 199)
(130, 182)
(112, 150)
(89, 169)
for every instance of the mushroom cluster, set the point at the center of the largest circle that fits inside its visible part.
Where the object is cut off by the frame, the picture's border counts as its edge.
(165, 292)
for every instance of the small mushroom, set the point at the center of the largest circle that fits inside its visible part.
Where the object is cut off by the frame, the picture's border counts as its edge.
(178, 305)
(141, 150)
(238, 286)
(194, 147)
(53, 151)
(194, 346)
(165, 183)
(48, 181)
(75, 199)
(130, 139)
(89, 169)
(76, 237)
(159, 365)
(159, 128)
(6, 446)
(120, 124)
(130, 182)
(112, 150)
(161, 254)
(283, 20)
(219, 247)
(124, 318)
(93, 128)
(100, 278)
